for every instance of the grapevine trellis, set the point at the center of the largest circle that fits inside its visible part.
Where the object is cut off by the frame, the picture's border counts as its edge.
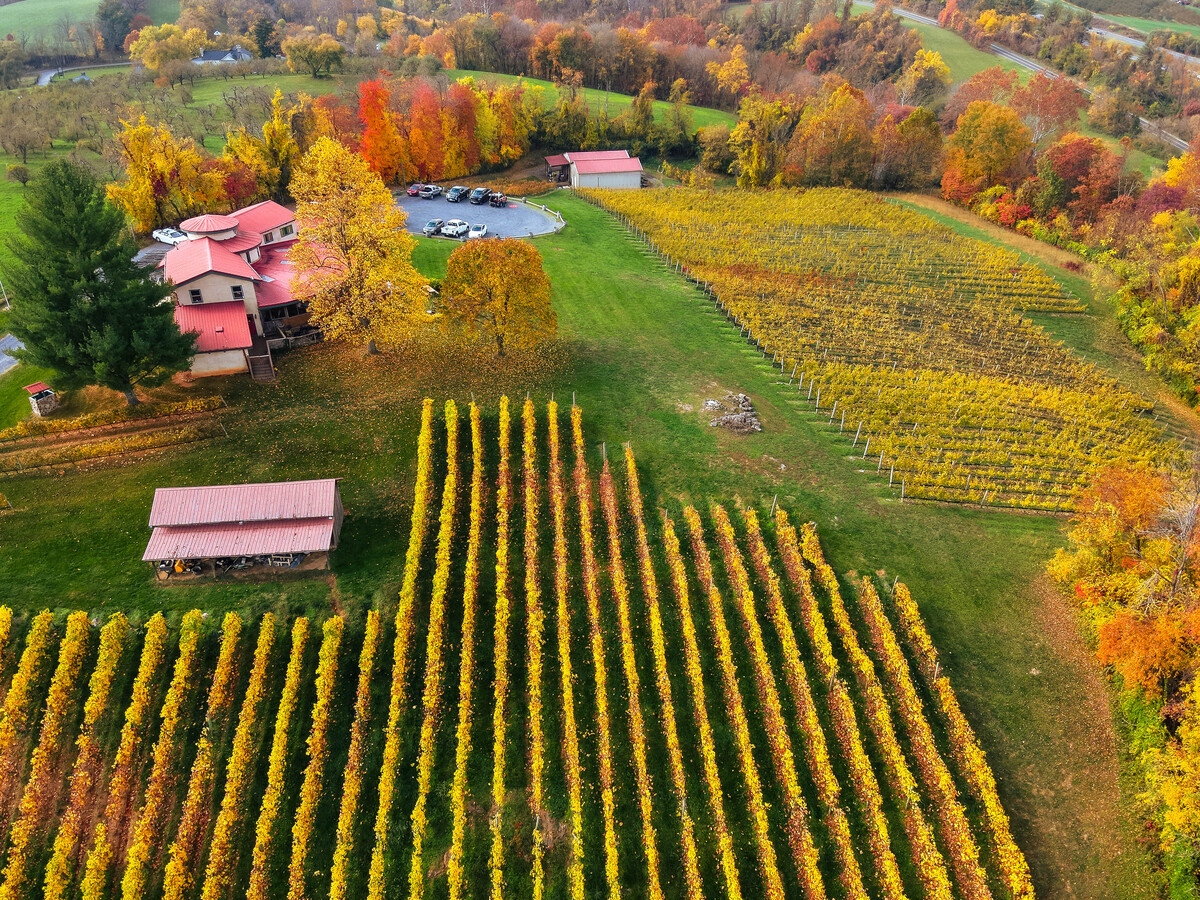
(912, 337)
(626, 703)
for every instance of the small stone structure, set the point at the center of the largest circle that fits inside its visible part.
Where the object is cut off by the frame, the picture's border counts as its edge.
(42, 399)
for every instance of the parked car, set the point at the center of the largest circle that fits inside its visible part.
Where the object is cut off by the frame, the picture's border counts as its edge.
(477, 231)
(170, 236)
(455, 228)
(496, 198)
(430, 191)
(480, 195)
(415, 188)
(457, 192)
(432, 227)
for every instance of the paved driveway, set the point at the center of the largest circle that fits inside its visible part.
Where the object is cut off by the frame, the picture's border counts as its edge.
(7, 342)
(514, 220)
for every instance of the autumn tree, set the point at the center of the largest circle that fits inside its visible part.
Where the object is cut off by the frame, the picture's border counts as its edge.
(908, 154)
(926, 78)
(990, 142)
(832, 145)
(167, 178)
(114, 19)
(1047, 106)
(85, 308)
(316, 54)
(759, 140)
(359, 281)
(381, 145)
(733, 75)
(497, 290)
(994, 85)
(272, 157)
(157, 45)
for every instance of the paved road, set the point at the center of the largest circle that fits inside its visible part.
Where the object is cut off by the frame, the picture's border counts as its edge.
(1171, 140)
(7, 342)
(45, 76)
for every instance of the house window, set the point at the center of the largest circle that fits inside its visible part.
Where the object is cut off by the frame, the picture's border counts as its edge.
(238, 293)
(285, 231)
(268, 237)
(195, 296)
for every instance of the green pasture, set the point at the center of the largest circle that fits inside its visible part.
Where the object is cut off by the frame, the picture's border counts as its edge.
(37, 18)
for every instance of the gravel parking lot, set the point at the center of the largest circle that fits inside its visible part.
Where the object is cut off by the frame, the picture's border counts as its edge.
(514, 220)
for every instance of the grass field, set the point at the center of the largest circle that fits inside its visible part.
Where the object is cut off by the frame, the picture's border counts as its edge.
(598, 100)
(643, 351)
(34, 18)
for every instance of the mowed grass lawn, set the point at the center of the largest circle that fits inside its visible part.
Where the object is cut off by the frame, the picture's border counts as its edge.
(643, 350)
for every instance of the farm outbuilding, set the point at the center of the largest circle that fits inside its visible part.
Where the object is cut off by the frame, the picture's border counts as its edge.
(218, 528)
(605, 169)
(595, 168)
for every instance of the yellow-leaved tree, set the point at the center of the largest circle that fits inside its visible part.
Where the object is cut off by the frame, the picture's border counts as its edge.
(497, 290)
(272, 157)
(159, 44)
(353, 256)
(167, 177)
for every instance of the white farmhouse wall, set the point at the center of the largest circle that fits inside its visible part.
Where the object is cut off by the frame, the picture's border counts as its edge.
(616, 180)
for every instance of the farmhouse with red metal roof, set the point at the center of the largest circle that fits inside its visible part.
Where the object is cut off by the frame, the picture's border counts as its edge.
(232, 283)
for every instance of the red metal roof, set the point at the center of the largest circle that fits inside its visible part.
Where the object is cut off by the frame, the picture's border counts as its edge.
(244, 240)
(275, 266)
(37, 387)
(557, 159)
(606, 166)
(258, 538)
(585, 155)
(220, 326)
(242, 503)
(208, 224)
(265, 216)
(194, 259)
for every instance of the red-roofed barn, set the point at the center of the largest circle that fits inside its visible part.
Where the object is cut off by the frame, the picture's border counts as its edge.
(285, 523)
(604, 169)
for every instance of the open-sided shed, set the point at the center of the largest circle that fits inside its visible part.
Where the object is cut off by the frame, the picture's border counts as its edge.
(240, 526)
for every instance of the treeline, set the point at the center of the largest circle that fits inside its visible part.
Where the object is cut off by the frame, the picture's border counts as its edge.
(1133, 567)
(1129, 82)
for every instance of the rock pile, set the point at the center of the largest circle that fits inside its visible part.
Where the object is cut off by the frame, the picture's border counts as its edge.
(734, 412)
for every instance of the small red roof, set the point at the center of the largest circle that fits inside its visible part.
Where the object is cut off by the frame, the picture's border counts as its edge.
(557, 159)
(244, 240)
(585, 155)
(220, 326)
(259, 538)
(242, 503)
(263, 217)
(605, 166)
(193, 259)
(37, 387)
(208, 224)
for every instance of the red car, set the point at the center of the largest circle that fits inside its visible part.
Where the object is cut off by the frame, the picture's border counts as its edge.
(414, 189)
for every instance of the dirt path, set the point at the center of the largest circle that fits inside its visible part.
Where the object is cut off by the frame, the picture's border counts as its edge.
(1101, 827)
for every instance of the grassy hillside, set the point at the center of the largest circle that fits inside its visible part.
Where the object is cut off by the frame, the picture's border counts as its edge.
(34, 18)
(599, 100)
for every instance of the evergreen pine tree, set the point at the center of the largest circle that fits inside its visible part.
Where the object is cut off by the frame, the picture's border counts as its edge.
(82, 306)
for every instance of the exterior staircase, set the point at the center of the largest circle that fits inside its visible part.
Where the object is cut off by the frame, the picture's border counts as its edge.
(262, 367)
